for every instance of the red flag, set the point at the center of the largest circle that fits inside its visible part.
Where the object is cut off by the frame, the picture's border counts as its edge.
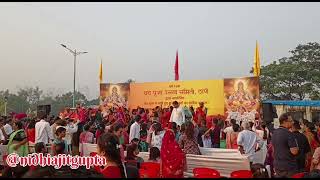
(176, 68)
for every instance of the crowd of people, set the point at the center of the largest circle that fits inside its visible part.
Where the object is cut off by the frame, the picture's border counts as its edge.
(168, 134)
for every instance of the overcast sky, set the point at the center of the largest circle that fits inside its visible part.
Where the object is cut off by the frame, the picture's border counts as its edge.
(139, 40)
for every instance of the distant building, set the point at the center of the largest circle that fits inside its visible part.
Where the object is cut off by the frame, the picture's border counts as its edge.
(299, 110)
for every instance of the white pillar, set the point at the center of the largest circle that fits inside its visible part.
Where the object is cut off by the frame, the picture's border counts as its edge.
(308, 114)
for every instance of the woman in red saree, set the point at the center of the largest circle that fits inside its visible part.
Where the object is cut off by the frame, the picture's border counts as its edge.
(173, 159)
(313, 141)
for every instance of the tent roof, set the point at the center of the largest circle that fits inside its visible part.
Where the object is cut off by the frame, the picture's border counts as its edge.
(294, 103)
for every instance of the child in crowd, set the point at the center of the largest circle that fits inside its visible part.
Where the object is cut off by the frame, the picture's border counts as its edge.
(143, 145)
(135, 141)
(132, 155)
(154, 155)
(144, 129)
(56, 145)
(40, 148)
(206, 140)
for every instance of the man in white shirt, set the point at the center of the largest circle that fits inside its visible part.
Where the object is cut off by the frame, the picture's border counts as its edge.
(43, 131)
(248, 141)
(177, 114)
(8, 127)
(135, 129)
(71, 128)
(2, 136)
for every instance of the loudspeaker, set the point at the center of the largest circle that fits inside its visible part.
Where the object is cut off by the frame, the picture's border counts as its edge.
(269, 112)
(43, 110)
(274, 112)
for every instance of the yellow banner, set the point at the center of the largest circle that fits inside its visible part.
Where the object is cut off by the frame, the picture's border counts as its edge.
(187, 93)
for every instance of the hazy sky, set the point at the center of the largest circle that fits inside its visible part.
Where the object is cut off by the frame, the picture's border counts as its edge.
(139, 40)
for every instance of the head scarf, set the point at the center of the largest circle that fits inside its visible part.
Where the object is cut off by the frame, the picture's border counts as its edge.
(20, 116)
(172, 157)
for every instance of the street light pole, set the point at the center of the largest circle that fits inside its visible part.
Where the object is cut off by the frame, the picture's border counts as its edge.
(74, 53)
(5, 105)
(74, 78)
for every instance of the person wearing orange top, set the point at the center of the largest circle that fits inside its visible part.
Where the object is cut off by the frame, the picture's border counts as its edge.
(166, 117)
(201, 113)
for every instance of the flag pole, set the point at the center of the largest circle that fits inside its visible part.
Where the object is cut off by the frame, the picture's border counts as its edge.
(176, 67)
(100, 78)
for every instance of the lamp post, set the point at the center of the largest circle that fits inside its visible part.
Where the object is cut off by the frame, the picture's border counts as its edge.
(75, 54)
(5, 105)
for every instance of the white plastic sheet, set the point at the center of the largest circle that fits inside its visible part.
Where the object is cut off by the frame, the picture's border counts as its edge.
(223, 160)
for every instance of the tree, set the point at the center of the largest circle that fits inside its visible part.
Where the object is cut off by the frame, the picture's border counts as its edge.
(130, 81)
(65, 100)
(27, 99)
(93, 102)
(15, 102)
(295, 77)
(31, 95)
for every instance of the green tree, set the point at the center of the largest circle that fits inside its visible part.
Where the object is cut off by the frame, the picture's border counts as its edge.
(93, 102)
(31, 95)
(27, 99)
(65, 100)
(15, 102)
(296, 77)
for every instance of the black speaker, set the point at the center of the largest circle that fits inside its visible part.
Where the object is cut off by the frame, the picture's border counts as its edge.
(269, 112)
(43, 110)
(274, 112)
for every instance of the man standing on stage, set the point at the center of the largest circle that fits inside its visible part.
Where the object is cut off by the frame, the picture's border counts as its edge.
(177, 114)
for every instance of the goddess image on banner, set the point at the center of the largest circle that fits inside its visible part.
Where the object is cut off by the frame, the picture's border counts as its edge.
(242, 99)
(114, 95)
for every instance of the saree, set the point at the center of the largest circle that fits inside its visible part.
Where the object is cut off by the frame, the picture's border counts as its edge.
(22, 150)
(233, 140)
(86, 137)
(173, 159)
(313, 146)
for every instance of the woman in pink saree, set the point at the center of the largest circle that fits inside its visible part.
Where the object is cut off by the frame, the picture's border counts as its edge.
(86, 137)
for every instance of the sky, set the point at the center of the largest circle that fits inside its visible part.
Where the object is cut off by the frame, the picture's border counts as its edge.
(139, 41)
